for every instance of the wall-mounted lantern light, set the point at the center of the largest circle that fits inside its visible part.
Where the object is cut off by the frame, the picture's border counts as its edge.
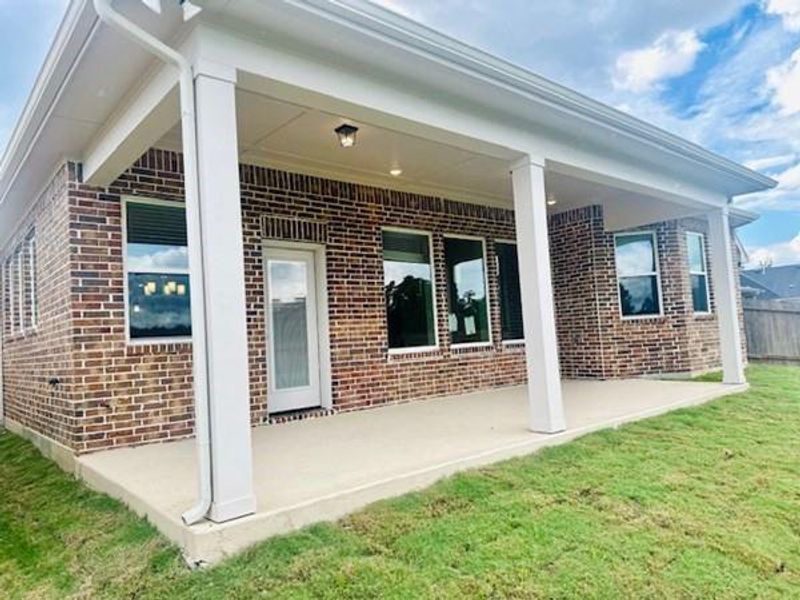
(347, 135)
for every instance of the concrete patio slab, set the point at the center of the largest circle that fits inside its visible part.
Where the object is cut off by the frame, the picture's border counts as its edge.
(324, 468)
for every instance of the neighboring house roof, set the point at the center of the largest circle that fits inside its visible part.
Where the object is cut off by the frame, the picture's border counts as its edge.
(773, 282)
(83, 82)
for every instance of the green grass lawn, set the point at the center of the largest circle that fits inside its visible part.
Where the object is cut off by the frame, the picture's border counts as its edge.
(700, 503)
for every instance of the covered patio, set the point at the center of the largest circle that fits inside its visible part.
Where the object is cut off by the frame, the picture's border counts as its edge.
(452, 144)
(321, 469)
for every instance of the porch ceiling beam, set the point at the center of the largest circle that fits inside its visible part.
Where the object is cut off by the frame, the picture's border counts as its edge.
(626, 213)
(148, 113)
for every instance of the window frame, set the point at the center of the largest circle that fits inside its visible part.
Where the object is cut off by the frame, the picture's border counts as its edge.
(434, 289)
(8, 293)
(490, 341)
(18, 258)
(704, 273)
(30, 243)
(657, 273)
(504, 341)
(145, 341)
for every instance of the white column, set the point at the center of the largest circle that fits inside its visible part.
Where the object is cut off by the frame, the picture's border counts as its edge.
(724, 274)
(223, 262)
(538, 314)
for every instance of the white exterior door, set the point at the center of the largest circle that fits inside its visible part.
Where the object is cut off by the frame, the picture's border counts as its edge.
(293, 335)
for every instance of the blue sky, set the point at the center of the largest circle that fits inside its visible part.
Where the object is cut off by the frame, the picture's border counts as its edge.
(722, 73)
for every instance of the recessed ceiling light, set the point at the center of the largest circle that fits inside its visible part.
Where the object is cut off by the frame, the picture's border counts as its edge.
(396, 172)
(551, 200)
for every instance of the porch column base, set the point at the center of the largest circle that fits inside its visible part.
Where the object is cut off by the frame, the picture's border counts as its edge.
(536, 286)
(232, 509)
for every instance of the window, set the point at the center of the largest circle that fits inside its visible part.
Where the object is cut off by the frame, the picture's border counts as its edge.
(31, 305)
(698, 274)
(637, 274)
(19, 271)
(10, 272)
(468, 317)
(157, 270)
(19, 261)
(510, 298)
(408, 288)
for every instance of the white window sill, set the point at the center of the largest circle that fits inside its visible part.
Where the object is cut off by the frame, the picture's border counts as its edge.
(413, 350)
(469, 345)
(643, 317)
(159, 341)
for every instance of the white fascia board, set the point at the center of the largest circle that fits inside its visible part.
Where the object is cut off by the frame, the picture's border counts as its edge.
(312, 81)
(141, 120)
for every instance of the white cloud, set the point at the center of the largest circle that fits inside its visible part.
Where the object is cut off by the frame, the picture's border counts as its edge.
(770, 162)
(147, 259)
(582, 40)
(781, 253)
(784, 83)
(672, 54)
(787, 10)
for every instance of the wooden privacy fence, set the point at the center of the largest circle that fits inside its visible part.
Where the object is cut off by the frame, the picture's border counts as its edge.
(772, 329)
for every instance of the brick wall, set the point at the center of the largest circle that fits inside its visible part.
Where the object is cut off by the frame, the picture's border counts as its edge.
(38, 354)
(127, 393)
(114, 393)
(363, 372)
(594, 341)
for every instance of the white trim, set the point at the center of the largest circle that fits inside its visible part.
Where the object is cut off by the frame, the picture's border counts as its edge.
(503, 340)
(657, 273)
(20, 289)
(302, 396)
(32, 262)
(490, 341)
(470, 345)
(145, 341)
(413, 350)
(432, 264)
(8, 267)
(323, 319)
(704, 273)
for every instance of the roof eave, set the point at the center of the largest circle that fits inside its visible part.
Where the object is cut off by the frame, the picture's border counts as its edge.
(496, 71)
(45, 86)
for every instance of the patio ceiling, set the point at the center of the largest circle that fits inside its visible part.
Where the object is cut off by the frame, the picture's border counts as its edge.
(293, 137)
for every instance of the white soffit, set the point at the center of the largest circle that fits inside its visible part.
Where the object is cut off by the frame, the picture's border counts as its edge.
(296, 138)
(287, 136)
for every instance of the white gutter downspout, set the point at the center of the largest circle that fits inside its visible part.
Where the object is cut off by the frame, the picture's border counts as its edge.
(194, 232)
